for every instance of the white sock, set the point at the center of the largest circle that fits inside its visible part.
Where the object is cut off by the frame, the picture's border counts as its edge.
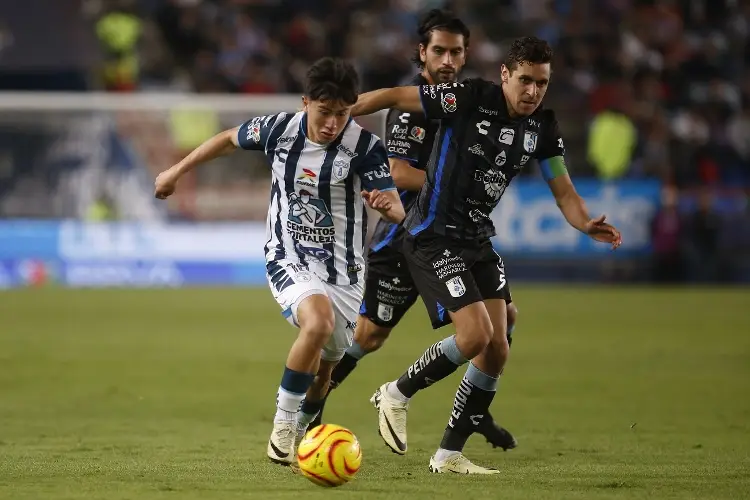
(442, 454)
(392, 390)
(287, 405)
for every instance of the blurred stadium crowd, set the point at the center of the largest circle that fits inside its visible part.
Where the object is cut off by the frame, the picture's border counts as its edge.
(642, 89)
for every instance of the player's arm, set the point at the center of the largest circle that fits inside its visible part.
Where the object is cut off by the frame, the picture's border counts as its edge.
(404, 140)
(251, 135)
(434, 101)
(405, 176)
(551, 156)
(378, 188)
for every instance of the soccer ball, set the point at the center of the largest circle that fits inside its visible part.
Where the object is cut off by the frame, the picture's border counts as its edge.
(329, 455)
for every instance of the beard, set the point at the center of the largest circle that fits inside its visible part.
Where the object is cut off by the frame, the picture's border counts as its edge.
(443, 77)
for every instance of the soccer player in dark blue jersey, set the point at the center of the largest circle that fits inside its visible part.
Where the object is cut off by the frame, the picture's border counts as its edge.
(389, 289)
(488, 133)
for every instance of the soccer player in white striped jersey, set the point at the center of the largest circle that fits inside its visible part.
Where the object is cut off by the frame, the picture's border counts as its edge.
(323, 165)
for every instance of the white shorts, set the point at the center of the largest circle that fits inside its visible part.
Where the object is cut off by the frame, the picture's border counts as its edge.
(291, 283)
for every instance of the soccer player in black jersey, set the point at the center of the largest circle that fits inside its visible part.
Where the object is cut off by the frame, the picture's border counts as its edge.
(389, 289)
(487, 134)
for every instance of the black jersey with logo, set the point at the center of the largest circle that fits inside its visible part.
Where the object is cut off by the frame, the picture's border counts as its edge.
(478, 150)
(409, 137)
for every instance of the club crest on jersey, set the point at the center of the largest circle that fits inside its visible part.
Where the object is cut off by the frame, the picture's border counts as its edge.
(456, 287)
(449, 102)
(529, 141)
(308, 178)
(418, 134)
(340, 169)
(385, 312)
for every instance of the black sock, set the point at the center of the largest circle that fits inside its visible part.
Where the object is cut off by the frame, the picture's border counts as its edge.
(470, 407)
(342, 370)
(437, 362)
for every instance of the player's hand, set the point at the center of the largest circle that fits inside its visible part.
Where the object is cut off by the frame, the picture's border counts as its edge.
(599, 230)
(377, 200)
(165, 184)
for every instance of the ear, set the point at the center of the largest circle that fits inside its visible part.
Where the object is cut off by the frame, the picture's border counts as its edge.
(305, 103)
(505, 73)
(422, 53)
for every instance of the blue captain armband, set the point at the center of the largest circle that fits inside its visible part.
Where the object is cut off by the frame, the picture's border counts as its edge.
(553, 167)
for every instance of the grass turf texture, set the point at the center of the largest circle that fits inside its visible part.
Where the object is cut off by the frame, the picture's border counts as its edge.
(612, 393)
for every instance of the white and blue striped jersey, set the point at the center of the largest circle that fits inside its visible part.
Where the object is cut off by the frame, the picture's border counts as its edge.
(316, 214)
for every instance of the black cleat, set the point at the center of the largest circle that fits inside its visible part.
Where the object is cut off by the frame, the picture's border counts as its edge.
(497, 436)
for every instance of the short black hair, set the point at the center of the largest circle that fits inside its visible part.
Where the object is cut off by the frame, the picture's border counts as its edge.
(528, 50)
(332, 79)
(439, 20)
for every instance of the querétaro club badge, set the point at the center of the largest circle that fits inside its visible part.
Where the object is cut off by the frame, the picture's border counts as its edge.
(449, 102)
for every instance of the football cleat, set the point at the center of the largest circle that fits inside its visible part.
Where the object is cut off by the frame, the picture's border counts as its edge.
(281, 446)
(458, 464)
(391, 419)
(497, 436)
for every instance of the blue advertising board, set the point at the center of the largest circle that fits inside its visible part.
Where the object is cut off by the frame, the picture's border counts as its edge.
(73, 253)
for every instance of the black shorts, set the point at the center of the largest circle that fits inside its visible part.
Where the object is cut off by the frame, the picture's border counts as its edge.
(451, 274)
(389, 289)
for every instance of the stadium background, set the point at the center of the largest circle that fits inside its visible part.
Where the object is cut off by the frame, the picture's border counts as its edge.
(614, 391)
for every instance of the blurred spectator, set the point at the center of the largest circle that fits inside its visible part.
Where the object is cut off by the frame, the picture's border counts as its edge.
(119, 30)
(703, 241)
(666, 232)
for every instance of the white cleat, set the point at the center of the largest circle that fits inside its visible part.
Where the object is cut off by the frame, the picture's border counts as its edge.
(391, 419)
(301, 431)
(459, 464)
(281, 445)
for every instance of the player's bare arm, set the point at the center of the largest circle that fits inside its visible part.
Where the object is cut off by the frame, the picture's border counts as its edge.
(221, 144)
(574, 210)
(401, 98)
(405, 176)
(387, 203)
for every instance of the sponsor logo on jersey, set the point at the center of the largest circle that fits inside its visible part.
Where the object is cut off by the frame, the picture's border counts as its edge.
(348, 152)
(477, 150)
(507, 135)
(449, 102)
(418, 134)
(524, 159)
(284, 140)
(500, 159)
(494, 181)
(429, 90)
(253, 132)
(529, 141)
(320, 254)
(309, 219)
(491, 112)
(340, 169)
(308, 178)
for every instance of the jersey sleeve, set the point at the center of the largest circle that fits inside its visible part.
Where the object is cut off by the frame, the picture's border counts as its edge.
(405, 134)
(447, 100)
(254, 134)
(373, 169)
(551, 150)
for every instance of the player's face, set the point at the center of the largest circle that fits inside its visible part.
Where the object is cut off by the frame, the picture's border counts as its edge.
(525, 87)
(325, 119)
(444, 56)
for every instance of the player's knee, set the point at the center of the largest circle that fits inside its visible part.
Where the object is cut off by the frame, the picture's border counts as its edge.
(319, 328)
(499, 346)
(512, 312)
(473, 336)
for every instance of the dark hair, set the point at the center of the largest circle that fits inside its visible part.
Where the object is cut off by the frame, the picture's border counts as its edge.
(439, 20)
(332, 79)
(528, 49)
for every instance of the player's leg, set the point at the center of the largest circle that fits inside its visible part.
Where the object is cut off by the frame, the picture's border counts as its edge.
(441, 273)
(512, 315)
(479, 385)
(345, 301)
(312, 311)
(389, 293)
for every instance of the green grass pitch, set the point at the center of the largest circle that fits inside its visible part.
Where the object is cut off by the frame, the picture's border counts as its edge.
(612, 393)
